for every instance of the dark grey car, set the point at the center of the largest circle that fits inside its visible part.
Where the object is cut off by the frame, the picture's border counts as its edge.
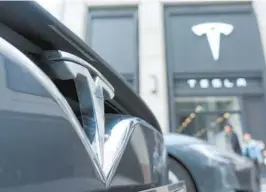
(205, 168)
(68, 122)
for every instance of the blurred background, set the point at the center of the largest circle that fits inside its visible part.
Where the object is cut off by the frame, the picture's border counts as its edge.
(197, 64)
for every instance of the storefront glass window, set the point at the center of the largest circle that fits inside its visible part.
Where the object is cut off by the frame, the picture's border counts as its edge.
(204, 117)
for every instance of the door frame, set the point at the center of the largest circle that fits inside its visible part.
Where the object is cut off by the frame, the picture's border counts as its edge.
(245, 114)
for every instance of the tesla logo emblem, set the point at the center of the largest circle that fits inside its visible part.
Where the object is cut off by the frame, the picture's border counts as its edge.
(213, 32)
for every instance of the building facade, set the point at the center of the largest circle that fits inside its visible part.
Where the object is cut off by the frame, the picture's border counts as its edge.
(197, 64)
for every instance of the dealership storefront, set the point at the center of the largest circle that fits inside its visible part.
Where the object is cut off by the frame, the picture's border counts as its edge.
(216, 69)
(154, 42)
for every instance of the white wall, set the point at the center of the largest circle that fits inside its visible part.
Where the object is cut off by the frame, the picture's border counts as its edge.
(75, 16)
(55, 7)
(152, 59)
(260, 10)
(72, 13)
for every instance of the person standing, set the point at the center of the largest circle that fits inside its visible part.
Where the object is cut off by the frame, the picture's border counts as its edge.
(252, 150)
(264, 163)
(264, 157)
(261, 145)
(231, 139)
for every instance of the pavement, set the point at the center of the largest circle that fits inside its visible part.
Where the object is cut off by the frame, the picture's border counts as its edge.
(263, 188)
(263, 185)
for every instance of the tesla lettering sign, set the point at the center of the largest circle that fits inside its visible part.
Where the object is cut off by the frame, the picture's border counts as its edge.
(213, 32)
(217, 83)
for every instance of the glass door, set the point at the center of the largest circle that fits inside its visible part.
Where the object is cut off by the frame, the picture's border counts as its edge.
(205, 117)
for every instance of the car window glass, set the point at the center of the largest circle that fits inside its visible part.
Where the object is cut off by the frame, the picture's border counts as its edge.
(19, 79)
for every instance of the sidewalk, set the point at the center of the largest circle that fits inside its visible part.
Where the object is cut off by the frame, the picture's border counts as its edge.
(263, 185)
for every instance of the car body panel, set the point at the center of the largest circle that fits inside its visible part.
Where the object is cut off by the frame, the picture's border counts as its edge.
(222, 172)
(206, 176)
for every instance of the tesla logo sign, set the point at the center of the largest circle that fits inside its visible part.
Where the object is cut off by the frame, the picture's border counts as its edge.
(213, 32)
(217, 83)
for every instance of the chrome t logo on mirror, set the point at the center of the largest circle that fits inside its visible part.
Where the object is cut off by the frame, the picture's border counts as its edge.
(92, 89)
(213, 32)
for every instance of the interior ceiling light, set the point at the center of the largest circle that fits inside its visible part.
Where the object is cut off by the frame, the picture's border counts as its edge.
(178, 130)
(219, 119)
(188, 120)
(226, 115)
(192, 115)
(181, 128)
(200, 132)
(184, 124)
(213, 124)
(198, 108)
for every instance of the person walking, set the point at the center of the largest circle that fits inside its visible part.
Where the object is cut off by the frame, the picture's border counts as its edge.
(264, 157)
(252, 150)
(264, 164)
(231, 140)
